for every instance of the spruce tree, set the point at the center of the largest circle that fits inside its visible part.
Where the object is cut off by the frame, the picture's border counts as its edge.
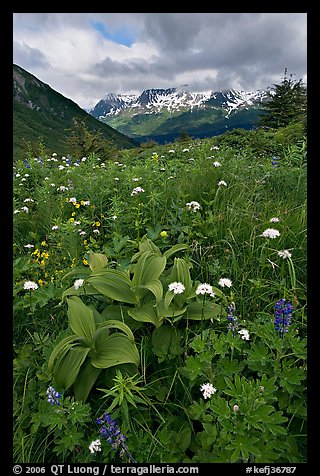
(287, 103)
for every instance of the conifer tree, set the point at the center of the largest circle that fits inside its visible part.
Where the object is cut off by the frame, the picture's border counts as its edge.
(287, 103)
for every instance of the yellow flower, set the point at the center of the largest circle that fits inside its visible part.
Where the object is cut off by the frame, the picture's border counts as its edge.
(85, 262)
(35, 252)
(45, 255)
(85, 242)
(52, 279)
(43, 243)
(97, 223)
(73, 214)
(40, 282)
(77, 205)
(71, 220)
(163, 234)
(43, 263)
(82, 202)
(67, 199)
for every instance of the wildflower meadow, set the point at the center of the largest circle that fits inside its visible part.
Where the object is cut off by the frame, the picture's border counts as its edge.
(160, 300)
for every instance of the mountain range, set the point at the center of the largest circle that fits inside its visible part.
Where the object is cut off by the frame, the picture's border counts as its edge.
(40, 112)
(165, 114)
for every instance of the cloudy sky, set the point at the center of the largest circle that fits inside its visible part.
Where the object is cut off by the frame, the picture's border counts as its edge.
(86, 55)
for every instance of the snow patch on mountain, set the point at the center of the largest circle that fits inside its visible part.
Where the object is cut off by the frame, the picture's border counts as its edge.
(153, 101)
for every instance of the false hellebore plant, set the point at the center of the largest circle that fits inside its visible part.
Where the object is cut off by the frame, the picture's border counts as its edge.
(148, 292)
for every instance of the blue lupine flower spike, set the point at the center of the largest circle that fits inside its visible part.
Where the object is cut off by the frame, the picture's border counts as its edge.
(282, 315)
(53, 396)
(113, 436)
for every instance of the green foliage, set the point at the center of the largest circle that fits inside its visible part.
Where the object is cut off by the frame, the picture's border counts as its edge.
(82, 142)
(246, 418)
(92, 341)
(121, 341)
(287, 103)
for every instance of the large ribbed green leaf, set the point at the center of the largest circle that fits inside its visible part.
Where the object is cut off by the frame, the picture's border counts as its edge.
(175, 249)
(82, 291)
(117, 349)
(146, 313)
(67, 368)
(197, 312)
(85, 380)
(62, 348)
(181, 274)
(148, 268)
(97, 261)
(114, 284)
(166, 340)
(81, 319)
(154, 286)
(115, 324)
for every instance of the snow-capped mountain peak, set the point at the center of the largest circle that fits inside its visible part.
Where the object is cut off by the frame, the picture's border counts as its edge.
(153, 101)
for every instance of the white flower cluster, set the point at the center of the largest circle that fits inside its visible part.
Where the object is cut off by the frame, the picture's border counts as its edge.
(137, 190)
(205, 289)
(30, 285)
(225, 282)
(271, 233)
(222, 183)
(244, 334)
(95, 446)
(216, 164)
(193, 206)
(274, 220)
(176, 287)
(284, 254)
(208, 389)
(78, 283)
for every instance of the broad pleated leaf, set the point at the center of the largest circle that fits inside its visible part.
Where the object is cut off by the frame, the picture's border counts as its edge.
(148, 268)
(146, 313)
(166, 340)
(86, 289)
(181, 274)
(62, 348)
(68, 367)
(115, 324)
(81, 319)
(175, 249)
(210, 311)
(97, 261)
(118, 349)
(85, 381)
(114, 284)
(154, 286)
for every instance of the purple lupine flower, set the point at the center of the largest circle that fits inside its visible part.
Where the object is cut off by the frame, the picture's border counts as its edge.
(282, 315)
(26, 164)
(110, 431)
(233, 321)
(53, 396)
(275, 161)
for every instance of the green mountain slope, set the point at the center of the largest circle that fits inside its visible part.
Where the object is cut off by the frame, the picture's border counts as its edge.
(165, 126)
(41, 112)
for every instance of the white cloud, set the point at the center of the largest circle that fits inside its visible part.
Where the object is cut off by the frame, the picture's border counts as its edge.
(205, 50)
